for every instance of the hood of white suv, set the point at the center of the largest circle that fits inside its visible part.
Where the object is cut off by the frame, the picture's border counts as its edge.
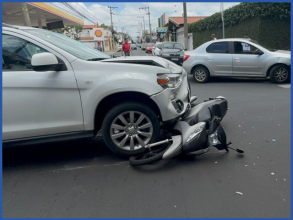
(147, 60)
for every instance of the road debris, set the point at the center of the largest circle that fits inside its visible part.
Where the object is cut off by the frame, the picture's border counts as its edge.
(272, 173)
(273, 140)
(240, 193)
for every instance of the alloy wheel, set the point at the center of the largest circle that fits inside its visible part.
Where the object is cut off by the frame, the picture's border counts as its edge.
(281, 74)
(200, 75)
(131, 130)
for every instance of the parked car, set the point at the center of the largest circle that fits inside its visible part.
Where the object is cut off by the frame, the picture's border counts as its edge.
(156, 49)
(237, 58)
(172, 51)
(139, 45)
(56, 88)
(119, 47)
(149, 47)
(143, 46)
(133, 47)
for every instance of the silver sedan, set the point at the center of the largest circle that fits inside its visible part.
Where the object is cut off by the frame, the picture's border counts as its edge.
(237, 58)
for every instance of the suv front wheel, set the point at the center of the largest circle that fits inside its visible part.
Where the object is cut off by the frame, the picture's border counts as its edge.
(128, 127)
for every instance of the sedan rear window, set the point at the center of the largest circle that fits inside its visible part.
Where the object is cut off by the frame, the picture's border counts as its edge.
(218, 47)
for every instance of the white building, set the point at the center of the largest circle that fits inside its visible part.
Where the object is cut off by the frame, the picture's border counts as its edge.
(87, 37)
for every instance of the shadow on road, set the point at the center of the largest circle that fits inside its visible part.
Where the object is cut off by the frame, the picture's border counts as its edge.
(234, 80)
(58, 154)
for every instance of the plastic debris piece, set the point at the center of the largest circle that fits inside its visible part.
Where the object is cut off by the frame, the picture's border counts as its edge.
(175, 206)
(284, 179)
(278, 124)
(273, 140)
(246, 165)
(273, 173)
(239, 126)
(240, 193)
(249, 143)
(216, 162)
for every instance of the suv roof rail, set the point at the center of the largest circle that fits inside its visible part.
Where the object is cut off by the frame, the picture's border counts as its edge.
(10, 26)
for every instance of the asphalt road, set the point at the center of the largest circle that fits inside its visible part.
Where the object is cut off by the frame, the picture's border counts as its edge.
(85, 179)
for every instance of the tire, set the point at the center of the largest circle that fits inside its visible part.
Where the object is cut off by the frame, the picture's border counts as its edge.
(150, 157)
(280, 74)
(201, 74)
(136, 147)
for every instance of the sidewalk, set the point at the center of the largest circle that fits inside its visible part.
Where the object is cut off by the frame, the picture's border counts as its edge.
(111, 52)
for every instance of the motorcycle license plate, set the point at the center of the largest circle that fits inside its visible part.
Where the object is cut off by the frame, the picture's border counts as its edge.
(174, 58)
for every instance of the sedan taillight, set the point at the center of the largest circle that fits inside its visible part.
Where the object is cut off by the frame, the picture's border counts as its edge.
(186, 57)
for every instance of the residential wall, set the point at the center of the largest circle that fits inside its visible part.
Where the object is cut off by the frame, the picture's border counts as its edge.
(180, 38)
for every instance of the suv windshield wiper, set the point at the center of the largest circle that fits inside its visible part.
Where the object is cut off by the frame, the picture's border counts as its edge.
(97, 59)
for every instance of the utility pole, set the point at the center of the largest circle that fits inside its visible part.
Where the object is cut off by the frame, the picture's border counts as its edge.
(111, 8)
(223, 24)
(148, 8)
(143, 22)
(185, 26)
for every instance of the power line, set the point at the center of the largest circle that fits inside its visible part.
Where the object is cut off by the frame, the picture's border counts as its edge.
(85, 9)
(72, 8)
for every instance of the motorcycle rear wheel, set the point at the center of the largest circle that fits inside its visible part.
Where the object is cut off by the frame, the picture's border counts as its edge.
(149, 157)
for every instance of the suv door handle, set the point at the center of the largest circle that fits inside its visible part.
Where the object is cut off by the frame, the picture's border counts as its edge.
(236, 59)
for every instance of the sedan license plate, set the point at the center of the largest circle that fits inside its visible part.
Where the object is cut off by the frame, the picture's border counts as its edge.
(174, 58)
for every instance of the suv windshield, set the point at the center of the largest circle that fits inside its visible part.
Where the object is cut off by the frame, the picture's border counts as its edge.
(71, 46)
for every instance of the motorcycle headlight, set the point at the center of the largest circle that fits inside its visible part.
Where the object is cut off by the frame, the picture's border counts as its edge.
(169, 80)
(165, 54)
(213, 138)
(201, 126)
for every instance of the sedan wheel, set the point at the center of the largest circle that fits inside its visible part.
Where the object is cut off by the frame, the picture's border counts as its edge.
(201, 75)
(279, 74)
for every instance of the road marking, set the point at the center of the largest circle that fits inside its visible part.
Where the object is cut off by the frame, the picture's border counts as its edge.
(285, 86)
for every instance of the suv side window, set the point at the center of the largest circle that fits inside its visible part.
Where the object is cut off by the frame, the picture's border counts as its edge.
(17, 53)
(218, 47)
(244, 48)
(178, 46)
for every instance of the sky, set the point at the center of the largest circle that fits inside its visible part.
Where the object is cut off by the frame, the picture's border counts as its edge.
(125, 16)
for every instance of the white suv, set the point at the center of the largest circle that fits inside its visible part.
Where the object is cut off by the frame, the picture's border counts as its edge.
(56, 88)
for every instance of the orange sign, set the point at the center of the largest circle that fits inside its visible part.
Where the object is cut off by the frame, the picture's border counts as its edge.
(98, 33)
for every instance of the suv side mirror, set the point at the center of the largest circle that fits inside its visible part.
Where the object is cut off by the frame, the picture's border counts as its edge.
(45, 62)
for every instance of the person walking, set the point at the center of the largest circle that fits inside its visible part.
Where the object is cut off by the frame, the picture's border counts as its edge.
(213, 37)
(126, 48)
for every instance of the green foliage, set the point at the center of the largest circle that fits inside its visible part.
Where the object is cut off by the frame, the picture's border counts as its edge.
(241, 12)
(70, 31)
(105, 26)
(267, 23)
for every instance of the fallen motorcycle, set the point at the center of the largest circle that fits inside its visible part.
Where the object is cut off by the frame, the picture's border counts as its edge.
(194, 134)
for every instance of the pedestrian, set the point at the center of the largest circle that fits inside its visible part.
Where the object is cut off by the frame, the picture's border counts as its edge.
(213, 37)
(246, 36)
(246, 46)
(126, 48)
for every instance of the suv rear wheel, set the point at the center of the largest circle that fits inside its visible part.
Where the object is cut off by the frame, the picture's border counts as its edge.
(128, 127)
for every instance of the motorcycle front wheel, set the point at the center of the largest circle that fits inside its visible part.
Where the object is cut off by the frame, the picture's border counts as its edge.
(148, 157)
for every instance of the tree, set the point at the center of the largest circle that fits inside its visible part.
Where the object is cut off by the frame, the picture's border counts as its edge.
(70, 31)
(105, 26)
